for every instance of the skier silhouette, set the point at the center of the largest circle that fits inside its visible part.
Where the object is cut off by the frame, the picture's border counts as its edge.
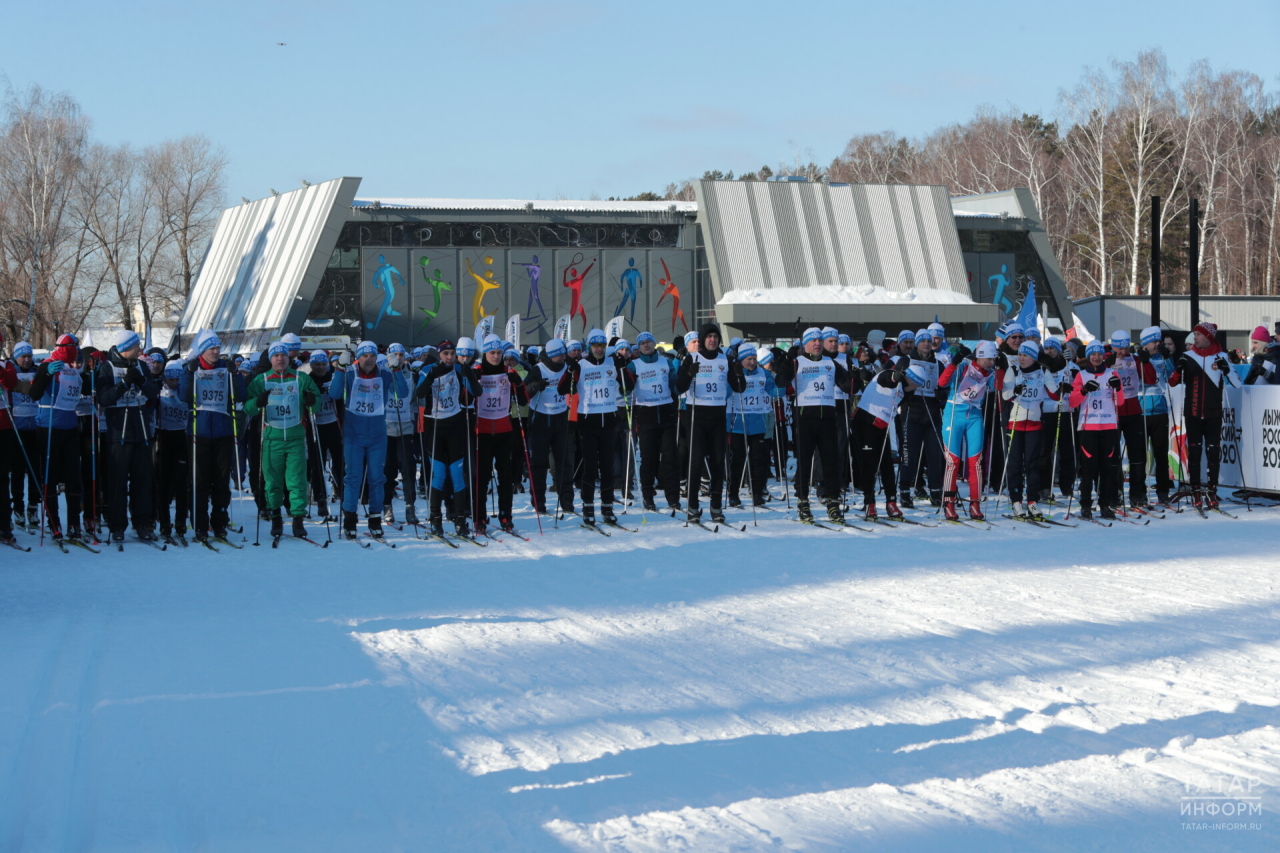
(384, 279)
(669, 289)
(998, 283)
(437, 285)
(484, 284)
(629, 281)
(573, 281)
(534, 270)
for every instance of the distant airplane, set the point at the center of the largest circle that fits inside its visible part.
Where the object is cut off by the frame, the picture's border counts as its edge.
(279, 44)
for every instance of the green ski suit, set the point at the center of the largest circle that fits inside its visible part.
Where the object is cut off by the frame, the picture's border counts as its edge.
(284, 434)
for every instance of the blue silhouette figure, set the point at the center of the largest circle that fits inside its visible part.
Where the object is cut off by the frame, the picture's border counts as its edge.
(534, 270)
(384, 279)
(998, 283)
(629, 281)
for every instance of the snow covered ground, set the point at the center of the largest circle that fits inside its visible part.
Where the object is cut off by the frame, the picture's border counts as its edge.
(784, 688)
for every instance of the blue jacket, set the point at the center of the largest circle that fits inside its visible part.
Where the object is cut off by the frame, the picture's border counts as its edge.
(751, 424)
(211, 424)
(366, 428)
(46, 390)
(1152, 397)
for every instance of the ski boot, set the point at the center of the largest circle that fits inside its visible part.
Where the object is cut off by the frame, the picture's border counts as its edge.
(1085, 512)
(33, 517)
(606, 514)
(693, 516)
(277, 525)
(869, 511)
(509, 526)
(435, 526)
(891, 507)
(834, 513)
(760, 499)
(1033, 511)
(410, 515)
(907, 502)
(117, 538)
(299, 528)
(73, 531)
(949, 509)
(388, 515)
(461, 528)
(735, 503)
(1019, 511)
(146, 534)
(375, 526)
(802, 507)
(1108, 513)
(322, 512)
(717, 514)
(935, 499)
(348, 525)
(975, 511)
(589, 514)
(650, 506)
(1211, 497)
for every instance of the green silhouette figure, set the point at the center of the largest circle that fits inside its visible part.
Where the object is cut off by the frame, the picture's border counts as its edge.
(437, 285)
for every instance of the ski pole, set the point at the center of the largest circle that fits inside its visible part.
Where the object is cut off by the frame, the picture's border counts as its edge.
(1075, 460)
(524, 440)
(1013, 424)
(235, 443)
(262, 470)
(746, 448)
(692, 488)
(315, 431)
(48, 453)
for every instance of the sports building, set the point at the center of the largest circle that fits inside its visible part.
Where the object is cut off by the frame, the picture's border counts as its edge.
(757, 257)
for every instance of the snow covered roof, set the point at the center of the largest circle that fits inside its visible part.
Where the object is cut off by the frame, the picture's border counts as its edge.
(515, 204)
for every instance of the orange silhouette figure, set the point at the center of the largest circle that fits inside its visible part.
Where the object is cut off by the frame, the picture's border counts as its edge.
(669, 289)
(573, 281)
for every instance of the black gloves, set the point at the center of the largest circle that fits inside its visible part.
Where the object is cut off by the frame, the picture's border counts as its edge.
(963, 352)
(1091, 386)
(264, 396)
(1221, 364)
(1114, 382)
(308, 399)
(794, 352)
(897, 376)
(1143, 356)
(134, 377)
(1019, 388)
(1064, 388)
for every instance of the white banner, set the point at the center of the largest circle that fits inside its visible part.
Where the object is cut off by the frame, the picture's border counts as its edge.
(513, 330)
(483, 329)
(614, 328)
(562, 328)
(1250, 440)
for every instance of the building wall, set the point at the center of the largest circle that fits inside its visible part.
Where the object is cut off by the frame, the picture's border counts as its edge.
(1235, 315)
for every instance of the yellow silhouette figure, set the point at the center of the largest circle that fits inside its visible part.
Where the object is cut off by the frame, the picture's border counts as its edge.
(484, 283)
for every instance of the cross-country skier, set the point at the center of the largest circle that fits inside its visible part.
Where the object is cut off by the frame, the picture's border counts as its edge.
(126, 389)
(815, 378)
(748, 426)
(1028, 385)
(1204, 370)
(549, 428)
(922, 442)
(402, 441)
(56, 389)
(655, 414)
(706, 381)
(441, 390)
(328, 434)
(1099, 393)
(172, 456)
(497, 442)
(963, 425)
(213, 390)
(364, 389)
(598, 381)
(1155, 368)
(26, 499)
(280, 396)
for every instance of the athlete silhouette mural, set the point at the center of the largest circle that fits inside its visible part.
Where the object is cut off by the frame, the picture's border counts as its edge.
(438, 285)
(384, 279)
(533, 269)
(484, 283)
(669, 289)
(630, 281)
(573, 280)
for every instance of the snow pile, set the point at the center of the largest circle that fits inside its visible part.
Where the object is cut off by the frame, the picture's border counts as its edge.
(862, 294)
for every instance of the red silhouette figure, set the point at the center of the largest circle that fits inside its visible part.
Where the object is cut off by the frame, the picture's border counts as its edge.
(573, 281)
(669, 289)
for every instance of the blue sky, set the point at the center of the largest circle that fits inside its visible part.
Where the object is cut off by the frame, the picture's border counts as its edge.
(543, 98)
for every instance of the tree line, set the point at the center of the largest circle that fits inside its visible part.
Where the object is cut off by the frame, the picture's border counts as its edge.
(89, 229)
(1122, 135)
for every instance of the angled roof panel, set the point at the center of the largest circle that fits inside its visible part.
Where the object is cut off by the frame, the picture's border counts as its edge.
(264, 255)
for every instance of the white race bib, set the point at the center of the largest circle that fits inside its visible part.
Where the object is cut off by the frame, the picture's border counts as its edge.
(24, 406)
(549, 401)
(69, 386)
(173, 413)
(1099, 408)
(597, 388)
(212, 390)
(653, 382)
(445, 393)
(711, 386)
(494, 402)
(132, 397)
(880, 401)
(328, 413)
(815, 382)
(366, 398)
(754, 400)
(973, 387)
(284, 406)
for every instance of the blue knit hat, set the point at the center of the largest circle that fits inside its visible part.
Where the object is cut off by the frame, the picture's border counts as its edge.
(596, 336)
(126, 339)
(575, 344)
(365, 348)
(319, 356)
(1095, 346)
(830, 332)
(205, 339)
(1053, 343)
(22, 348)
(278, 348)
(491, 343)
(556, 347)
(746, 350)
(916, 375)
(813, 333)
(766, 357)
(1150, 335)
(645, 336)
(1030, 348)
(845, 339)
(173, 370)
(906, 335)
(1120, 338)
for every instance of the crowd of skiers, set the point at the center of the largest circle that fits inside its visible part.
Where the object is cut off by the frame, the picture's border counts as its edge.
(143, 439)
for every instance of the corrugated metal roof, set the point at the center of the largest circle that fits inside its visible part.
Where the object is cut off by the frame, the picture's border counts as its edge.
(770, 235)
(1105, 314)
(515, 204)
(263, 255)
